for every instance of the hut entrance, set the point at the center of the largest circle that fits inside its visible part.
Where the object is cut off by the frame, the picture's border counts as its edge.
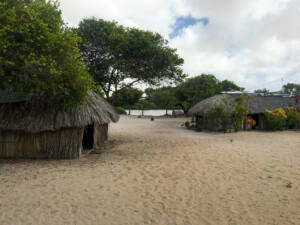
(88, 137)
(256, 118)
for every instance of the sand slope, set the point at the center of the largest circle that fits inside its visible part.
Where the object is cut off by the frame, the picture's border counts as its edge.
(159, 173)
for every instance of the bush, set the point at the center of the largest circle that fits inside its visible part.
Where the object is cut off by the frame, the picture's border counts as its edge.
(187, 124)
(39, 55)
(293, 117)
(240, 114)
(220, 118)
(193, 126)
(120, 110)
(199, 127)
(275, 122)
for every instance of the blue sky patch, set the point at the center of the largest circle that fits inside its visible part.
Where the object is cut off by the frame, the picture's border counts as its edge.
(185, 21)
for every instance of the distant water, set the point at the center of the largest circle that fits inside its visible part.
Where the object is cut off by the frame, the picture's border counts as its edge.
(153, 112)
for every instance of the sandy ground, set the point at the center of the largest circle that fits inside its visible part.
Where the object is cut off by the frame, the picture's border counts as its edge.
(159, 173)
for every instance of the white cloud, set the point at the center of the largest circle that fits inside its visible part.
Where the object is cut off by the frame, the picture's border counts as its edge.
(254, 43)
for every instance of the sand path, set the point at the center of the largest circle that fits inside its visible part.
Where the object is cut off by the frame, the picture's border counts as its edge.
(159, 173)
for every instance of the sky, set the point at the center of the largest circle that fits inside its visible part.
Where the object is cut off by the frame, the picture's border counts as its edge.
(254, 43)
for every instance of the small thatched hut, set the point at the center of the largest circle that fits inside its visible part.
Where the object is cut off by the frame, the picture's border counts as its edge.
(28, 132)
(257, 105)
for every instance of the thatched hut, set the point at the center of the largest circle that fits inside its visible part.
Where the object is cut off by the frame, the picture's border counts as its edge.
(257, 105)
(29, 132)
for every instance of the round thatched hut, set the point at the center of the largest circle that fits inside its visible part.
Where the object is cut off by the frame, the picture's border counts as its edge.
(28, 132)
(257, 105)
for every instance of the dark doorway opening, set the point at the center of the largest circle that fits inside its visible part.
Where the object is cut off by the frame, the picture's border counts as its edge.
(88, 137)
(256, 118)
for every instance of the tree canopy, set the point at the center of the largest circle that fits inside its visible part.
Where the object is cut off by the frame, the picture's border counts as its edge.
(144, 104)
(291, 88)
(118, 57)
(227, 85)
(126, 97)
(189, 92)
(39, 54)
(164, 97)
(264, 91)
(200, 87)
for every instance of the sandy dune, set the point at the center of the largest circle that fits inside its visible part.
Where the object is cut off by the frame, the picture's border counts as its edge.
(159, 173)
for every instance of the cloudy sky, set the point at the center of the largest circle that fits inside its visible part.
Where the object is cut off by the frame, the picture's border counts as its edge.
(253, 43)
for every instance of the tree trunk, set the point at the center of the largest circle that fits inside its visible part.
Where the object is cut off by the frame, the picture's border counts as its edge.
(106, 94)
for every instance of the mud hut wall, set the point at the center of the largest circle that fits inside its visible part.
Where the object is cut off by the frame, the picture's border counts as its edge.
(100, 135)
(61, 144)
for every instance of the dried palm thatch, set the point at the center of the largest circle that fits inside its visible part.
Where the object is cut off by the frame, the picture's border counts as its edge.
(255, 105)
(8, 96)
(26, 131)
(21, 116)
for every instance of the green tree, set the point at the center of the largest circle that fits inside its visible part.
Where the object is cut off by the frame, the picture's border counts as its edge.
(227, 85)
(291, 88)
(39, 54)
(164, 98)
(119, 57)
(264, 91)
(240, 112)
(198, 88)
(149, 92)
(144, 104)
(126, 97)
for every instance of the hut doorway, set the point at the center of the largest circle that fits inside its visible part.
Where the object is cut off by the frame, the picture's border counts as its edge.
(256, 118)
(88, 137)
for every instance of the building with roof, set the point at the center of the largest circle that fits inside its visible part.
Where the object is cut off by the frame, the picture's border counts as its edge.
(30, 131)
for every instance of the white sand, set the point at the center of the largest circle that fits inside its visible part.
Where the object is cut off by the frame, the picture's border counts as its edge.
(159, 173)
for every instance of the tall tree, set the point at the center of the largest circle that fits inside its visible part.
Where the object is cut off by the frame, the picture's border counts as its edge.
(39, 54)
(164, 98)
(227, 85)
(149, 92)
(126, 97)
(200, 87)
(263, 91)
(119, 57)
(291, 88)
(144, 104)
(196, 89)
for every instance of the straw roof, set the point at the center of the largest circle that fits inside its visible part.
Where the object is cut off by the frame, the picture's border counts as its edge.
(11, 97)
(21, 116)
(256, 105)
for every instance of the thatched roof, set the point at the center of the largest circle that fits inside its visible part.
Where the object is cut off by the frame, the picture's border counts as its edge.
(22, 117)
(256, 105)
(12, 97)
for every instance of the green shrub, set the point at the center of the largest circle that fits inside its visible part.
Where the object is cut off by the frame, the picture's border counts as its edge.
(275, 122)
(187, 125)
(220, 118)
(193, 126)
(199, 127)
(293, 119)
(240, 114)
(120, 110)
(40, 56)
